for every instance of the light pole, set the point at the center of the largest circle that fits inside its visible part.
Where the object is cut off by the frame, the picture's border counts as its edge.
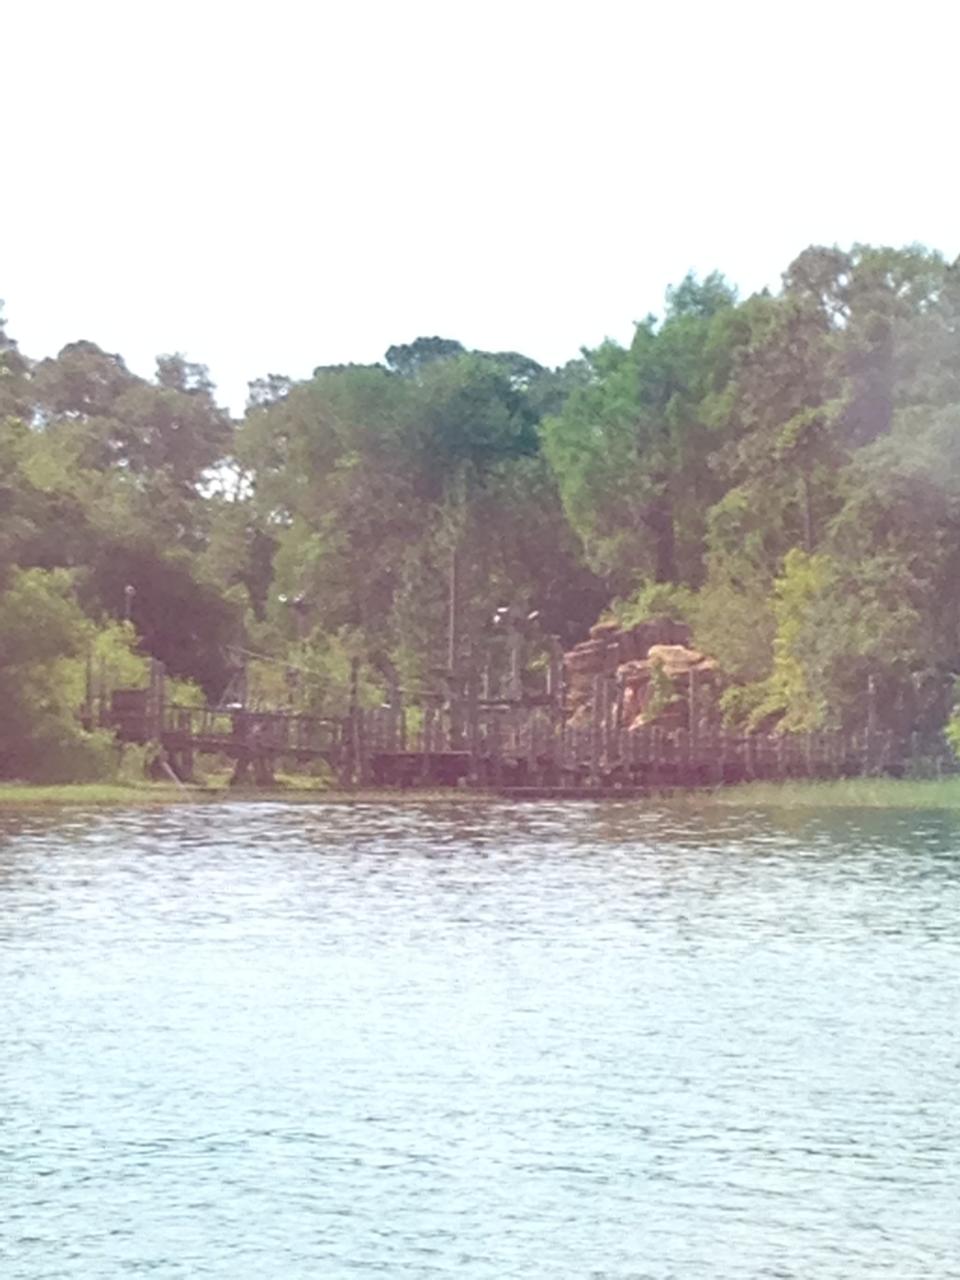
(517, 624)
(300, 605)
(129, 591)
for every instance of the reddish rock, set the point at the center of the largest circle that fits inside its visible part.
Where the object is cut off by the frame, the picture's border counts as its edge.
(639, 659)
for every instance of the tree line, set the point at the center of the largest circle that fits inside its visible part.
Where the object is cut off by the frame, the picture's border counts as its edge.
(782, 472)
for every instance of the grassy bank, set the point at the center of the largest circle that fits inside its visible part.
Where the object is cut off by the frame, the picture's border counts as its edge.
(118, 795)
(23, 795)
(849, 793)
(853, 793)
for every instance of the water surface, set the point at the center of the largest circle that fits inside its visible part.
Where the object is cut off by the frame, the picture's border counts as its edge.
(585, 1041)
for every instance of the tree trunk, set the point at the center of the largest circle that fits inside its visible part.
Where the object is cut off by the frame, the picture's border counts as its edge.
(453, 612)
(660, 523)
(807, 504)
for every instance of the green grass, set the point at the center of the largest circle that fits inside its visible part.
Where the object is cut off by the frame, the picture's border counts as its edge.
(854, 793)
(117, 795)
(21, 795)
(849, 793)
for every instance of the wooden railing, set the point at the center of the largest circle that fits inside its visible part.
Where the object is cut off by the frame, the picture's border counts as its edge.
(264, 732)
(519, 746)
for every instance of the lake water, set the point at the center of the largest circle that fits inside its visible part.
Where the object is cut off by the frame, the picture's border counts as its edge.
(584, 1041)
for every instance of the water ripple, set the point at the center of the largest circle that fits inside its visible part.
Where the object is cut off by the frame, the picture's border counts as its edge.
(583, 1040)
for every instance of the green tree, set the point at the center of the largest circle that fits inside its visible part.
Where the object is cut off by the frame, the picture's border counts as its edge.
(409, 359)
(631, 447)
(14, 373)
(40, 735)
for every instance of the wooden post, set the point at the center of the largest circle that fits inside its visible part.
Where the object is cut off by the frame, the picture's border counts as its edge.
(454, 687)
(155, 701)
(473, 727)
(88, 696)
(455, 719)
(611, 745)
(103, 698)
(693, 711)
(515, 640)
(596, 727)
(354, 719)
(453, 613)
(533, 752)
(556, 691)
(886, 753)
(363, 753)
(578, 754)
(161, 698)
(670, 758)
(186, 756)
(150, 717)
(496, 751)
(555, 672)
(603, 721)
(618, 701)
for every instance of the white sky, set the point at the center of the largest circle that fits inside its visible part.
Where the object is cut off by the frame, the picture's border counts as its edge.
(272, 186)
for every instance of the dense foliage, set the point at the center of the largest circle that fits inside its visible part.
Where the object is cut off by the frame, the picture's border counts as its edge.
(782, 471)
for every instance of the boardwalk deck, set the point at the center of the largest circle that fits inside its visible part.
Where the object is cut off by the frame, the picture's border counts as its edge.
(524, 745)
(524, 750)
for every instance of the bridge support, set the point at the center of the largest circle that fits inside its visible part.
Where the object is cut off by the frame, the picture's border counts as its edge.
(259, 766)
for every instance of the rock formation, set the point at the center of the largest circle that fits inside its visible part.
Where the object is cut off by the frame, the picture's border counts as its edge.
(656, 676)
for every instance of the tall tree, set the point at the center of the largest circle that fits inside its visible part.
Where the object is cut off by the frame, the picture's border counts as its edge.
(631, 448)
(14, 371)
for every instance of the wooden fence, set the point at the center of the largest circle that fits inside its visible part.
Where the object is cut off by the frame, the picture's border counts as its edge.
(506, 744)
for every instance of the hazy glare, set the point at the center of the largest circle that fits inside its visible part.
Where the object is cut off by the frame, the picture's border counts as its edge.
(270, 187)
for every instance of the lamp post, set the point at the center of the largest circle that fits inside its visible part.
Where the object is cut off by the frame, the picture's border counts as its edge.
(300, 606)
(129, 591)
(517, 624)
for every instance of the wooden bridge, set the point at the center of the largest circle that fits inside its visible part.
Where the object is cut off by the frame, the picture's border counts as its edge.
(517, 747)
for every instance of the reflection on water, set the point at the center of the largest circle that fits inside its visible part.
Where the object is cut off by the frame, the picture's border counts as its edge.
(581, 1041)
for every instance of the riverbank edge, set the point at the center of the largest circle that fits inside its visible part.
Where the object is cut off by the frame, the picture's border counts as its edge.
(844, 793)
(854, 793)
(118, 795)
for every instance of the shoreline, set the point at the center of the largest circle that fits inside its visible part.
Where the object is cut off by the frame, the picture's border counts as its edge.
(854, 793)
(119, 795)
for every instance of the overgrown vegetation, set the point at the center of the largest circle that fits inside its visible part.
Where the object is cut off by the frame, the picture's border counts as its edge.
(783, 472)
(850, 793)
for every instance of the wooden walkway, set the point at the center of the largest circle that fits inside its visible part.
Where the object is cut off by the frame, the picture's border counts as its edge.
(515, 748)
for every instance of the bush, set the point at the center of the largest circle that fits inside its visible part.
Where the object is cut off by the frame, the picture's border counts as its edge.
(952, 729)
(655, 600)
(57, 753)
